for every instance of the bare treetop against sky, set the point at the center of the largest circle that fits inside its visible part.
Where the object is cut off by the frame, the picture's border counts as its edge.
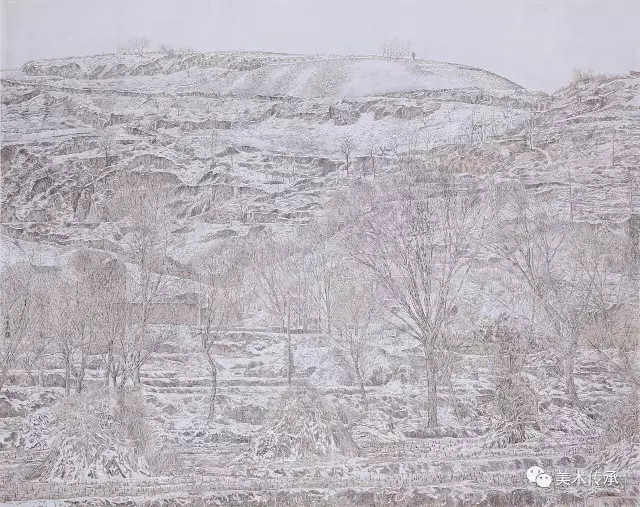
(536, 43)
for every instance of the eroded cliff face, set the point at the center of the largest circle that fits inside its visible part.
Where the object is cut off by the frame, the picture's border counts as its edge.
(257, 147)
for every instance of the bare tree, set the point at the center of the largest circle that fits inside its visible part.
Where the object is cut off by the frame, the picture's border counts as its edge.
(566, 271)
(403, 142)
(137, 45)
(372, 148)
(37, 341)
(421, 251)
(37, 347)
(323, 272)
(347, 146)
(213, 328)
(472, 129)
(531, 246)
(167, 49)
(70, 332)
(114, 316)
(530, 126)
(209, 146)
(413, 137)
(276, 265)
(355, 302)
(426, 136)
(395, 47)
(609, 286)
(213, 147)
(75, 309)
(146, 223)
(17, 315)
(99, 281)
(106, 143)
(221, 293)
(514, 402)
(581, 77)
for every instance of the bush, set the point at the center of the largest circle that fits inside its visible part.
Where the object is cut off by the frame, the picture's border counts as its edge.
(303, 424)
(621, 447)
(622, 422)
(91, 441)
(582, 76)
(99, 435)
(167, 50)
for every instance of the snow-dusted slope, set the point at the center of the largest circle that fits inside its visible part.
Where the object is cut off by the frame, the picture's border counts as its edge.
(266, 74)
(357, 77)
(277, 128)
(240, 143)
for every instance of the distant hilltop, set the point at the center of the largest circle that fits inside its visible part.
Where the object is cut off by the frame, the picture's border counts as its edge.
(257, 73)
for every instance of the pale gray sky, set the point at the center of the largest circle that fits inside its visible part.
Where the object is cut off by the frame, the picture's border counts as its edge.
(536, 43)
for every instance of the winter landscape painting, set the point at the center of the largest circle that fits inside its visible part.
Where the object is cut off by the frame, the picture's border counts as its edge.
(320, 254)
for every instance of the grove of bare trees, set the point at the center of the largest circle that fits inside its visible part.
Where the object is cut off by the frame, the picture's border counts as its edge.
(415, 254)
(136, 45)
(395, 47)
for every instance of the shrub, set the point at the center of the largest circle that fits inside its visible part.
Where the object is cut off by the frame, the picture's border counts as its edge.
(304, 424)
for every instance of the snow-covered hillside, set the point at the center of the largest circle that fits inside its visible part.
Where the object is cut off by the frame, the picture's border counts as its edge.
(237, 198)
(249, 74)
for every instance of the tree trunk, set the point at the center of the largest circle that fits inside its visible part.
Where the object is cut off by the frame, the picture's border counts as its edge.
(214, 390)
(80, 373)
(114, 376)
(289, 351)
(40, 377)
(29, 371)
(67, 378)
(135, 370)
(3, 376)
(432, 391)
(454, 400)
(107, 370)
(570, 386)
(126, 371)
(363, 394)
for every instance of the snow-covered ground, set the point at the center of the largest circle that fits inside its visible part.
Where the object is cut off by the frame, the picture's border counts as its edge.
(248, 142)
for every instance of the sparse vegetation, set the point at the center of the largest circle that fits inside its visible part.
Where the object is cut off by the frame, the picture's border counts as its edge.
(135, 45)
(211, 298)
(395, 47)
